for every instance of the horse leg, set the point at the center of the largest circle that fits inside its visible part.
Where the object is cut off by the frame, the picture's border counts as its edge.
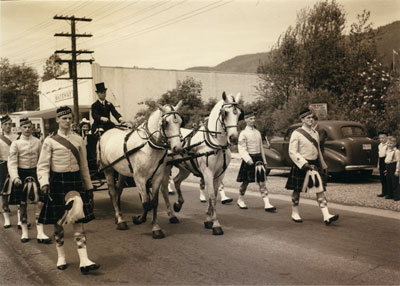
(165, 193)
(121, 224)
(156, 230)
(212, 189)
(217, 229)
(182, 175)
(146, 204)
(120, 188)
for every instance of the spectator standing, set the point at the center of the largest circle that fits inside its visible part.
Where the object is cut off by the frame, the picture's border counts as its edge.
(392, 162)
(382, 147)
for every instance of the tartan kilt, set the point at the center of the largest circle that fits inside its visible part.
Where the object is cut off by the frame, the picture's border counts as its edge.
(16, 193)
(296, 177)
(247, 173)
(3, 174)
(60, 185)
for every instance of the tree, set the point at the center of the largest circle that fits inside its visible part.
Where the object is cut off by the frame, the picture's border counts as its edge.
(52, 69)
(189, 91)
(18, 87)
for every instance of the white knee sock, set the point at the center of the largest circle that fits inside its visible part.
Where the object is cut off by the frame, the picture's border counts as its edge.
(83, 257)
(61, 255)
(24, 228)
(6, 218)
(40, 231)
(325, 213)
(19, 216)
(296, 213)
(267, 203)
(223, 195)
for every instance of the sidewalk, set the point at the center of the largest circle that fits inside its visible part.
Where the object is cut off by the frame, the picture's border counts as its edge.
(364, 210)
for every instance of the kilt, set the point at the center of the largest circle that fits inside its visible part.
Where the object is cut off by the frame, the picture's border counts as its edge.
(60, 185)
(247, 173)
(296, 177)
(3, 174)
(23, 174)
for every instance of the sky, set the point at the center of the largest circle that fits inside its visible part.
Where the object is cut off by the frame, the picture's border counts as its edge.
(167, 34)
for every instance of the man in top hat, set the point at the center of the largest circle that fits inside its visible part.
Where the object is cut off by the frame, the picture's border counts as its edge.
(6, 138)
(101, 110)
(65, 181)
(22, 162)
(252, 153)
(305, 152)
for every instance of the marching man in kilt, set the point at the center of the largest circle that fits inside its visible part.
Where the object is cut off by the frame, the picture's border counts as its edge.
(305, 152)
(6, 138)
(252, 153)
(22, 162)
(65, 181)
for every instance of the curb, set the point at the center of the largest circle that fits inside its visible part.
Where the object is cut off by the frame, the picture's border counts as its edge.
(356, 209)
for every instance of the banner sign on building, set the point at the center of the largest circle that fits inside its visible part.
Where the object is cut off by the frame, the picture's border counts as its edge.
(64, 95)
(320, 109)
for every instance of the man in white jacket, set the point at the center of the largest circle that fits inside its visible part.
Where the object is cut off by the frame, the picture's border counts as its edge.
(252, 153)
(305, 152)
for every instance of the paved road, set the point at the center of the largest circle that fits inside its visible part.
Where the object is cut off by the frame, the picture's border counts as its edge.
(257, 248)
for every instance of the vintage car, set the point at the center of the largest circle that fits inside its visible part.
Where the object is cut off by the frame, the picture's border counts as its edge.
(346, 148)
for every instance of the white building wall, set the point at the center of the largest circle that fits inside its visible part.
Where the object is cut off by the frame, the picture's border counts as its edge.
(129, 86)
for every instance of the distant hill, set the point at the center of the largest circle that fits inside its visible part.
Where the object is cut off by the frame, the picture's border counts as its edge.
(387, 40)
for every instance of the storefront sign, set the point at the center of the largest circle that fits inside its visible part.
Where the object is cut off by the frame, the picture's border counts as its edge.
(64, 95)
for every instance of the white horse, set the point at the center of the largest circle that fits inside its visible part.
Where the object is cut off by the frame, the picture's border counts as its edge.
(209, 155)
(140, 154)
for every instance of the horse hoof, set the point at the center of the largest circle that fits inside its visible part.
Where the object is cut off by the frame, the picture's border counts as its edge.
(177, 207)
(217, 230)
(174, 220)
(208, 224)
(138, 220)
(158, 234)
(122, 226)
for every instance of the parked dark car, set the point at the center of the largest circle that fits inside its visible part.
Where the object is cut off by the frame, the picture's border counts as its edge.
(346, 148)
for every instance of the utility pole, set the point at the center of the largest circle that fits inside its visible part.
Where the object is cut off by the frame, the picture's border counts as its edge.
(73, 74)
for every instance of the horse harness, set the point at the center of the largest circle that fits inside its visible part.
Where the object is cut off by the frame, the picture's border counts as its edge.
(164, 145)
(207, 133)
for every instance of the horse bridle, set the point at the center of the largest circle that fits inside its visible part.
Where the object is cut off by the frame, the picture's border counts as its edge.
(221, 116)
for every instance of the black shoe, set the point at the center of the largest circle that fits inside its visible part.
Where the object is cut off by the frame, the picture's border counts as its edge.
(271, 210)
(227, 201)
(297, 220)
(24, 240)
(62, 267)
(7, 226)
(44, 241)
(381, 195)
(85, 269)
(388, 197)
(332, 219)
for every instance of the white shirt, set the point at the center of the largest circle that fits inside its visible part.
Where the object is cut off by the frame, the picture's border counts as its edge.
(5, 148)
(24, 153)
(60, 159)
(250, 142)
(301, 149)
(382, 150)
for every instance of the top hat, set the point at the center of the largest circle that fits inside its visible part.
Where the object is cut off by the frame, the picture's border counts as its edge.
(100, 87)
(5, 118)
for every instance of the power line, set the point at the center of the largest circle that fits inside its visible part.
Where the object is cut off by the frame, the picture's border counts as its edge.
(169, 22)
